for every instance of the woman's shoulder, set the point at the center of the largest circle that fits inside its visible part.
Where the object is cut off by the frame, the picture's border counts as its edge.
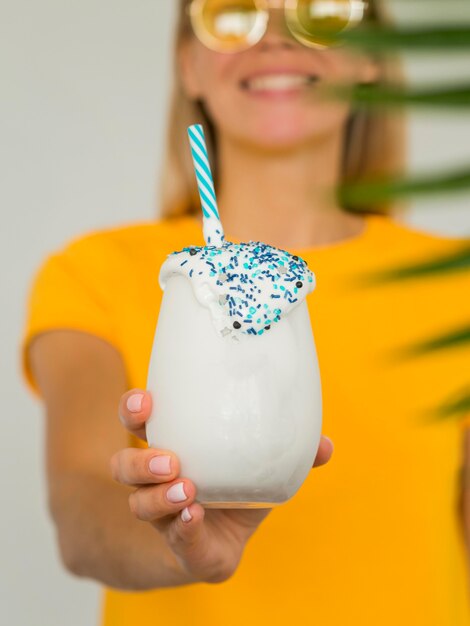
(164, 233)
(97, 256)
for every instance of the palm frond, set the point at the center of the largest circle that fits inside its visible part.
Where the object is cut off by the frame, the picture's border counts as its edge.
(377, 95)
(437, 38)
(457, 405)
(385, 40)
(459, 337)
(456, 261)
(356, 195)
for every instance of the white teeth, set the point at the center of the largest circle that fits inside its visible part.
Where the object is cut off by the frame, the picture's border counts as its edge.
(278, 82)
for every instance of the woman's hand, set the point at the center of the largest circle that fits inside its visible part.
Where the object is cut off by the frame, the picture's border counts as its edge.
(207, 543)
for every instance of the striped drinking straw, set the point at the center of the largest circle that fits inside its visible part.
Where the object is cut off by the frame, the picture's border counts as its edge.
(212, 227)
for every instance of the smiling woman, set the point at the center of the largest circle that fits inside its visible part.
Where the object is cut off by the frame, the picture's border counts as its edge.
(374, 143)
(377, 535)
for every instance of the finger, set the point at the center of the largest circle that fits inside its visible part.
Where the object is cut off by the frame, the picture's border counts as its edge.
(325, 450)
(135, 407)
(151, 503)
(134, 466)
(192, 545)
(184, 529)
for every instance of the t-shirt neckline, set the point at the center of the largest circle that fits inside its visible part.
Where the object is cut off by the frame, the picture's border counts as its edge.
(370, 222)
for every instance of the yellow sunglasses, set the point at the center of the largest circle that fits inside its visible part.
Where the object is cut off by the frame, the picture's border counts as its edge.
(235, 25)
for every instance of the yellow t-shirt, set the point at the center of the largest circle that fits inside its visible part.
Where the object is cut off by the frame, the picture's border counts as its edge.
(371, 538)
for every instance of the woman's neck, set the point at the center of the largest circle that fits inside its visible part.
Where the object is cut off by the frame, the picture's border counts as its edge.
(284, 198)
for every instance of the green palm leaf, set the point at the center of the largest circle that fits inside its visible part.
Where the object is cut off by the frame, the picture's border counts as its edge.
(458, 405)
(457, 260)
(456, 338)
(355, 195)
(376, 95)
(385, 38)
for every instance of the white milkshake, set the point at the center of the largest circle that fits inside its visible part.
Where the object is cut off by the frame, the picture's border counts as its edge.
(233, 371)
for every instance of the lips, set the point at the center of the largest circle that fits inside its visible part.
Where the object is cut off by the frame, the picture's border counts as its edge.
(278, 82)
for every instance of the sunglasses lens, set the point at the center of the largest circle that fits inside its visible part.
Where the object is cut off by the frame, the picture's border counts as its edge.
(319, 22)
(228, 25)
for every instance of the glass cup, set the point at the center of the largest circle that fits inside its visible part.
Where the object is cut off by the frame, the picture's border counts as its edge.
(244, 417)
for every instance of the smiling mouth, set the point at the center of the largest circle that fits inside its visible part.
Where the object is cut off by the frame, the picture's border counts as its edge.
(278, 82)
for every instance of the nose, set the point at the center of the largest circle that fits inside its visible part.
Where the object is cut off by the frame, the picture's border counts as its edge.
(277, 34)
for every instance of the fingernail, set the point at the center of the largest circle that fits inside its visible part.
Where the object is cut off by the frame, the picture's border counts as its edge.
(186, 515)
(332, 444)
(134, 402)
(160, 465)
(176, 493)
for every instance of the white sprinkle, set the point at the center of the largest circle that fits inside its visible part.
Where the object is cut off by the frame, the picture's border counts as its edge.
(186, 515)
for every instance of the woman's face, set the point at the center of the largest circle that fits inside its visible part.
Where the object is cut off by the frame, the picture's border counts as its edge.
(268, 95)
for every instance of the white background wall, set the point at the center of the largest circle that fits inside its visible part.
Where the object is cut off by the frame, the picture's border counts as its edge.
(83, 94)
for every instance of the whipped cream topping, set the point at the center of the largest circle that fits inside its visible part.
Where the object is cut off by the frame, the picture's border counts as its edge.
(248, 287)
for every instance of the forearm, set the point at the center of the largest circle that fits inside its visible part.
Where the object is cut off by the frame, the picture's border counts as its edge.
(465, 509)
(99, 537)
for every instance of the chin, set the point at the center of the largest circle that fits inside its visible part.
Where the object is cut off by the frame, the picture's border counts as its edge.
(286, 133)
(280, 125)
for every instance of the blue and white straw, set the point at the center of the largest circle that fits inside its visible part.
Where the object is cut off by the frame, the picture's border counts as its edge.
(212, 227)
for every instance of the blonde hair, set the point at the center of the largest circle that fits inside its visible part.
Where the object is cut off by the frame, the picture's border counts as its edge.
(374, 140)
